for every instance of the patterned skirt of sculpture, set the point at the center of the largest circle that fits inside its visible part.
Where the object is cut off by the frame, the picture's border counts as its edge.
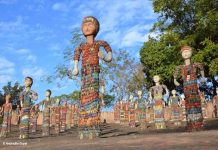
(46, 121)
(193, 106)
(24, 122)
(33, 123)
(6, 124)
(89, 110)
(63, 121)
(142, 114)
(57, 120)
(175, 112)
(132, 117)
(158, 109)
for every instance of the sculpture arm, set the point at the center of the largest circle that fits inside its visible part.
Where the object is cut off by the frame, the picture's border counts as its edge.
(178, 68)
(76, 57)
(108, 50)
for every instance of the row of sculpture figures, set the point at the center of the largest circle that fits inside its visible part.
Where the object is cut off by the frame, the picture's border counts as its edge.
(141, 112)
(62, 117)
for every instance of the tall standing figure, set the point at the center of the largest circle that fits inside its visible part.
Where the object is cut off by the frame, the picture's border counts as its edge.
(156, 94)
(141, 110)
(193, 102)
(57, 111)
(89, 98)
(26, 98)
(63, 116)
(7, 111)
(46, 114)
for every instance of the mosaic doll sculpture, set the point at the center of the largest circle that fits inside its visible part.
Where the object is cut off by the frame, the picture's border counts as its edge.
(89, 99)
(156, 94)
(34, 114)
(141, 110)
(7, 111)
(190, 88)
(132, 108)
(57, 109)
(69, 117)
(26, 98)
(46, 113)
(17, 115)
(64, 116)
(215, 104)
(174, 103)
(182, 103)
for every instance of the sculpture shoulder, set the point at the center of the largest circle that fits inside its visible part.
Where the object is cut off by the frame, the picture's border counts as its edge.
(102, 43)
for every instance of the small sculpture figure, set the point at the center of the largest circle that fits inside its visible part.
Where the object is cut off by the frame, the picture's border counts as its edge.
(7, 111)
(46, 113)
(141, 110)
(69, 117)
(34, 114)
(17, 115)
(57, 116)
(156, 94)
(182, 103)
(63, 116)
(26, 98)
(132, 108)
(190, 86)
(90, 100)
(174, 103)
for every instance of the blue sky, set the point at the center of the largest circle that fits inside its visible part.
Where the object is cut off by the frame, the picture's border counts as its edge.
(34, 33)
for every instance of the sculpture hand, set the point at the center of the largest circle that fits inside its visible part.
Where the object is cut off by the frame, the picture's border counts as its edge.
(75, 71)
(176, 83)
(101, 54)
(203, 80)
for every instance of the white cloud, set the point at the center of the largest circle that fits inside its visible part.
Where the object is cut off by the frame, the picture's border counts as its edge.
(34, 72)
(61, 7)
(7, 70)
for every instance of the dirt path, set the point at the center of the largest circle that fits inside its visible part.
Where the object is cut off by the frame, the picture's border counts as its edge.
(116, 137)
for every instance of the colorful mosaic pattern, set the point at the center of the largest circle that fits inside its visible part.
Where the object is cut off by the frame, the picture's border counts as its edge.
(193, 101)
(132, 114)
(141, 112)
(57, 119)
(63, 118)
(33, 119)
(175, 109)
(157, 94)
(89, 110)
(46, 118)
(26, 97)
(6, 124)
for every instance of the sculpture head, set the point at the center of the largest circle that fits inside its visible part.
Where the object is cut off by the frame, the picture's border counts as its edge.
(90, 26)
(48, 93)
(173, 92)
(28, 82)
(36, 106)
(156, 78)
(8, 98)
(186, 52)
(58, 101)
(139, 93)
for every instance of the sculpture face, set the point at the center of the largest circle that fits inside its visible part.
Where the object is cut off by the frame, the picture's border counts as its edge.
(156, 79)
(139, 93)
(186, 54)
(36, 106)
(28, 82)
(88, 28)
(57, 100)
(131, 97)
(47, 94)
(174, 92)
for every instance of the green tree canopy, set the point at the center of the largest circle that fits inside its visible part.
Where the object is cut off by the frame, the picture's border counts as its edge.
(182, 22)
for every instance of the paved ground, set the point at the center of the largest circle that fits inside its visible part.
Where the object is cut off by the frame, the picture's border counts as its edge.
(116, 137)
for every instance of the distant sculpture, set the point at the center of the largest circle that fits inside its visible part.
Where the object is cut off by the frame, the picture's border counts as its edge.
(17, 115)
(64, 116)
(34, 113)
(26, 98)
(189, 76)
(69, 117)
(90, 100)
(46, 113)
(141, 110)
(215, 104)
(174, 103)
(132, 108)
(156, 94)
(182, 103)
(7, 113)
(57, 109)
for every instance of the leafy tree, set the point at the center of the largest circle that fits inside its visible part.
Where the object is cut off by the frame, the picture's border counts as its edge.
(181, 22)
(14, 90)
